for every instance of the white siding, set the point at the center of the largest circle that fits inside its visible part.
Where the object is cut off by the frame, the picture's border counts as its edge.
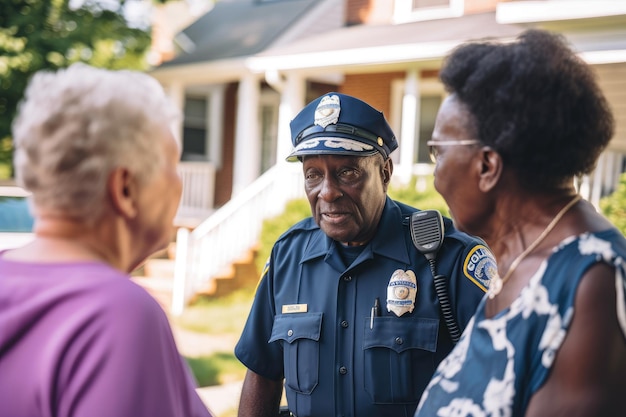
(612, 79)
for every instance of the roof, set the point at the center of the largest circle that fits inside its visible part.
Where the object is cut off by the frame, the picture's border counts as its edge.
(237, 28)
(462, 28)
(370, 44)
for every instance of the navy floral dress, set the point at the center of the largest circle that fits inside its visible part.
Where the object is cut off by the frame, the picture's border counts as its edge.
(500, 362)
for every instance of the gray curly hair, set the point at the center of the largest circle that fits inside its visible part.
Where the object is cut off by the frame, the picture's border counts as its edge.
(76, 125)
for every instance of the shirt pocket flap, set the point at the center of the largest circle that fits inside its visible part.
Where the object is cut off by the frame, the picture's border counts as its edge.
(402, 334)
(290, 327)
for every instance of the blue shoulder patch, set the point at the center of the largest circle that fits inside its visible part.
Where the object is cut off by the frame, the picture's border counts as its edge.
(480, 266)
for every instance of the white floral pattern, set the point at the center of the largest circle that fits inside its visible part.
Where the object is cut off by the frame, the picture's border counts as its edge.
(500, 362)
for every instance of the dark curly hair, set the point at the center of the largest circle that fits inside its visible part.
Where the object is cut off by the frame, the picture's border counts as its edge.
(535, 102)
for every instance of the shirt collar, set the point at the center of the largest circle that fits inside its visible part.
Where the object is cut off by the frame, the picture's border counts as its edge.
(386, 241)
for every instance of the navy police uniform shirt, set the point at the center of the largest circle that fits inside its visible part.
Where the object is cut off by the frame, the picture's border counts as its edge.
(311, 320)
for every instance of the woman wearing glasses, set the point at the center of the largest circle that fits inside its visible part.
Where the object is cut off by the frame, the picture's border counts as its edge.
(522, 121)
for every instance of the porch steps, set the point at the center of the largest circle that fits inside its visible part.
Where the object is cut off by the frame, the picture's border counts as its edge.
(240, 274)
(157, 277)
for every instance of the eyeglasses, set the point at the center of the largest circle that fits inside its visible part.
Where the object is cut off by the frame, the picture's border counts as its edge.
(432, 146)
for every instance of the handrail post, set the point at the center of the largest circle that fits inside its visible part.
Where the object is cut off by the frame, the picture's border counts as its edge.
(179, 290)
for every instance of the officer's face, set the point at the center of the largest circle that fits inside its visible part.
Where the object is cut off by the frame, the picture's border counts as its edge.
(347, 194)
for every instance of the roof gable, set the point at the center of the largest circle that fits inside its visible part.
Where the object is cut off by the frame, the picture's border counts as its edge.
(238, 28)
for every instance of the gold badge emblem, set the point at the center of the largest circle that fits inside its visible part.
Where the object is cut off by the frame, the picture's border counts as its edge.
(327, 111)
(401, 292)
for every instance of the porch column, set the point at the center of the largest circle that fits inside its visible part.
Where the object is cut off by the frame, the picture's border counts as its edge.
(410, 120)
(215, 117)
(291, 102)
(247, 166)
(176, 93)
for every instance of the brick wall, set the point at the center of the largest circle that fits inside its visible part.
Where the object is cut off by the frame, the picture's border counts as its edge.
(374, 89)
(368, 11)
(480, 6)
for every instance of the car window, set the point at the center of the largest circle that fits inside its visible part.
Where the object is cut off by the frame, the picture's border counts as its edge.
(15, 215)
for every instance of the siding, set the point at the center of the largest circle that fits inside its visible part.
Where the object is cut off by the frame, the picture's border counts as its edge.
(612, 80)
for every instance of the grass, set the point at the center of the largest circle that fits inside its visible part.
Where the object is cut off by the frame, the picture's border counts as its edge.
(224, 316)
(216, 369)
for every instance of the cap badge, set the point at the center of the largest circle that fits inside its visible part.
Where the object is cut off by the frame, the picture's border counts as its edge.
(401, 292)
(327, 111)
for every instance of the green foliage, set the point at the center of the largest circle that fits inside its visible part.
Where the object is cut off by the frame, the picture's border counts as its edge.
(614, 206)
(420, 193)
(223, 315)
(216, 369)
(48, 35)
(295, 211)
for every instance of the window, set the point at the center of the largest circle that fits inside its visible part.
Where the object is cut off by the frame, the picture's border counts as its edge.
(429, 106)
(421, 4)
(430, 93)
(270, 101)
(16, 221)
(415, 10)
(195, 130)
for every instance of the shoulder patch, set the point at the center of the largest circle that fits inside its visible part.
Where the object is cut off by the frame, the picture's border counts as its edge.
(266, 269)
(480, 266)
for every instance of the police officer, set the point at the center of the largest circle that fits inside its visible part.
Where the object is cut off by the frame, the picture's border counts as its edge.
(346, 312)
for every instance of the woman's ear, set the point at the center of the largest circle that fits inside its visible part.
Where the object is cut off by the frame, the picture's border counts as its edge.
(491, 167)
(123, 192)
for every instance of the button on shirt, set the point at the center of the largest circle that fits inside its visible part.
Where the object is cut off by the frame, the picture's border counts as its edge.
(336, 359)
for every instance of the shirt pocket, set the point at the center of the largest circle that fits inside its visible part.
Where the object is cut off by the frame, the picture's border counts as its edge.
(399, 358)
(300, 335)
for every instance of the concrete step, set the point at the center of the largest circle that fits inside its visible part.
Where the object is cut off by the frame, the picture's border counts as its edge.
(159, 268)
(159, 288)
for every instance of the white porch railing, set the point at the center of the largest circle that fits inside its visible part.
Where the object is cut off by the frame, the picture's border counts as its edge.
(231, 230)
(604, 179)
(196, 203)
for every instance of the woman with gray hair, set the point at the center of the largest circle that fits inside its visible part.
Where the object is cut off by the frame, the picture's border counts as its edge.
(78, 337)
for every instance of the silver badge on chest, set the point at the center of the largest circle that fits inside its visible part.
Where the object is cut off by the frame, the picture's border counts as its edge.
(401, 292)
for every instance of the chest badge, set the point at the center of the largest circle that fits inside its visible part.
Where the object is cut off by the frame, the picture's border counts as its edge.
(401, 292)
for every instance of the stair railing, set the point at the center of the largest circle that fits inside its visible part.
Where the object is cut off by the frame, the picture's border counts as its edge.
(230, 231)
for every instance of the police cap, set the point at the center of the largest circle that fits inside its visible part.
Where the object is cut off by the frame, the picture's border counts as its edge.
(339, 124)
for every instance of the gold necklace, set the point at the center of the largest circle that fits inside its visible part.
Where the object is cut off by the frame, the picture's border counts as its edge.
(496, 285)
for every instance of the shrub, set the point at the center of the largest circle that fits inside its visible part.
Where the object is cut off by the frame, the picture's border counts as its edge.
(613, 206)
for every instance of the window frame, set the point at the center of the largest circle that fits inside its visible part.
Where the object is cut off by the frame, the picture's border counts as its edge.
(405, 12)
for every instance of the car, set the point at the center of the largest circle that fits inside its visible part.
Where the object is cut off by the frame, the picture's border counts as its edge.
(16, 221)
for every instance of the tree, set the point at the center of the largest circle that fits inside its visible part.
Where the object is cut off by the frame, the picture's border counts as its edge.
(52, 34)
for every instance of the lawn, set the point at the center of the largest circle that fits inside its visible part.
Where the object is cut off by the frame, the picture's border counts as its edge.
(218, 317)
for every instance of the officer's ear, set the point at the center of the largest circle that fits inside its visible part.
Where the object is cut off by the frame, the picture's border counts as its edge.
(387, 170)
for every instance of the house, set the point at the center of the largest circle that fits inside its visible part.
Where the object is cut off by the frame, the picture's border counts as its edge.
(246, 67)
